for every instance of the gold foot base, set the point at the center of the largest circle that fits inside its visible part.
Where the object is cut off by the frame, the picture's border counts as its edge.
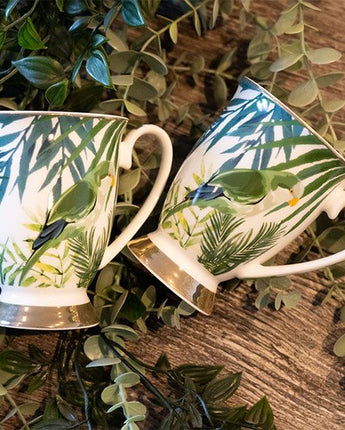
(168, 272)
(47, 317)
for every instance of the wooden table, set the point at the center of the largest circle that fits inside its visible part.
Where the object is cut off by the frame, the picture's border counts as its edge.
(286, 355)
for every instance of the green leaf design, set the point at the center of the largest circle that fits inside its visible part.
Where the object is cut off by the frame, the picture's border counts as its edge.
(41, 72)
(222, 250)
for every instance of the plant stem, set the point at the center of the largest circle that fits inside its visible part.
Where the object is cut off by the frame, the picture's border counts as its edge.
(10, 399)
(81, 384)
(146, 382)
(22, 18)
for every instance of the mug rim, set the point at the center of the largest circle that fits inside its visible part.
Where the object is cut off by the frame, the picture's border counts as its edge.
(294, 115)
(62, 113)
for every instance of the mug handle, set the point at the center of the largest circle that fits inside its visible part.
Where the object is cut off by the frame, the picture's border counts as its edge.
(332, 206)
(125, 161)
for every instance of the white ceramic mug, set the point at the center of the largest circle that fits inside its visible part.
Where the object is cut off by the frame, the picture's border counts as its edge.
(255, 180)
(58, 188)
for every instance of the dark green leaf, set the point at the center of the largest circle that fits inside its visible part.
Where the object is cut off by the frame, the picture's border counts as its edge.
(132, 309)
(329, 79)
(16, 363)
(36, 382)
(131, 13)
(56, 94)
(80, 23)
(123, 62)
(200, 374)
(2, 38)
(66, 410)
(163, 363)
(97, 68)
(75, 7)
(84, 99)
(261, 415)
(40, 71)
(220, 390)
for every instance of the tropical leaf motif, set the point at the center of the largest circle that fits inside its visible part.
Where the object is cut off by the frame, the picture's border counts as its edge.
(64, 144)
(223, 249)
(86, 254)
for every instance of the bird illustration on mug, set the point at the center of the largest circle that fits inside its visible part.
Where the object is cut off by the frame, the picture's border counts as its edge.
(73, 207)
(243, 192)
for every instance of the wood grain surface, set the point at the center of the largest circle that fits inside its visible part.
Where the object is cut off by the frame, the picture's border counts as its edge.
(286, 355)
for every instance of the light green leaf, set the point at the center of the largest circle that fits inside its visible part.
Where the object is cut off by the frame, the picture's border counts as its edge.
(122, 80)
(149, 297)
(329, 79)
(155, 62)
(246, 4)
(280, 282)
(342, 314)
(56, 94)
(285, 61)
(123, 62)
(9, 103)
(261, 70)
(97, 68)
(173, 31)
(28, 36)
(220, 91)
(226, 60)
(339, 346)
(215, 13)
(285, 22)
(3, 390)
(40, 71)
(109, 361)
(130, 408)
(295, 29)
(332, 105)
(128, 379)
(323, 55)
(129, 180)
(134, 108)
(290, 300)
(278, 301)
(311, 6)
(95, 348)
(122, 330)
(197, 24)
(115, 41)
(110, 395)
(303, 94)
(263, 299)
(158, 81)
(198, 64)
(142, 90)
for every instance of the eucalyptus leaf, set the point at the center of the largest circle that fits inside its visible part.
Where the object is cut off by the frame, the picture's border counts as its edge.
(220, 91)
(128, 379)
(329, 79)
(173, 31)
(142, 90)
(333, 105)
(285, 61)
(134, 108)
(263, 299)
(95, 348)
(122, 330)
(291, 299)
(303, 94)
(323, 55)
(129, 180)
(155, 62)
(122, 62)
(40, 71)
(110, 395)
(339, 346)
(342, 314)
(122, 80)
(115, 41)
(109, 361)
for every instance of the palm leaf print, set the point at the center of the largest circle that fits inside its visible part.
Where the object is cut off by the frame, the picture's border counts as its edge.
(223, 250)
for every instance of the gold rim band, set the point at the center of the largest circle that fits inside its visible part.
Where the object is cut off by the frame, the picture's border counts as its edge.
(172, 275)
(47, 317)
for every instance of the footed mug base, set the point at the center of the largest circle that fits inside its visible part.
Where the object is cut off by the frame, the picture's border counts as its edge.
(172, 275)
(47, 317)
